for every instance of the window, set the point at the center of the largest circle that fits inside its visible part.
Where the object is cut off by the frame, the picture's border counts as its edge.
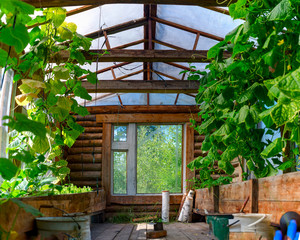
(146, 159)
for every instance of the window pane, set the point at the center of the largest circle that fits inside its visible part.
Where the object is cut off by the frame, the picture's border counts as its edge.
(120, 133)
(120, 172)
(159, 158)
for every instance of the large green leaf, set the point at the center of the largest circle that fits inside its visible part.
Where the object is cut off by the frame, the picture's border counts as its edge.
(22, 123)
(27, 208)
(282, 11)
(3, 57)
(82, 92)
(272, 149)
(230, 153)
(65, 103)
(56, 15)
(283, 113)
(59, 113)
(40, 144)
(7, 169)
(243, 114)
(16, 36)
(23, 156)
(290, 84)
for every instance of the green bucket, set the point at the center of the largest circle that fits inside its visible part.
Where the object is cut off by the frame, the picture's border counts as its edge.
(218, 226)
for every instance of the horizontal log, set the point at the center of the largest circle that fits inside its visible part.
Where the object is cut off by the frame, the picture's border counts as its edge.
(91, 183)
(143, 109)
(77, 150)
(134, 55)
(85, 167)
(198, 153)
(85, 118)
(88, 143)
(85, 136)
(84, 158)
(199, 138)
(142, 200)
(141, 86)
(88, 123)
(198, 145)
(145, 118)
(90, 175)
(139, 208)
(65, 3)
(93, 129)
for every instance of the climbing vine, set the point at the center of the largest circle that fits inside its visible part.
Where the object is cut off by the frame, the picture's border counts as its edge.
(259, 83)
(48, 76)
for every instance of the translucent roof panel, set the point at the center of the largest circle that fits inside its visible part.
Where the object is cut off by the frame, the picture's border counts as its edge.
(110, 16)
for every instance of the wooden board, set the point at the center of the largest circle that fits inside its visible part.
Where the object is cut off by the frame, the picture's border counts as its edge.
(206, 199)
(189, 154)
(145, 118)
(106, 161)
(279, 194)
(232, 197)
(64, 3)
(142, 109)
(144, 199)
(141, 86)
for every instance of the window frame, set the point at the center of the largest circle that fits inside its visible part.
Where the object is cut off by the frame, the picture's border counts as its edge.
(130, 146)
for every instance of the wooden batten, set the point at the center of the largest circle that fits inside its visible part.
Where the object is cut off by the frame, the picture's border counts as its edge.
(144, 199)
(142, 109)
(145, 118)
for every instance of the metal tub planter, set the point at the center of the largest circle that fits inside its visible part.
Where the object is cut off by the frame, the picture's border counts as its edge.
(75, 228)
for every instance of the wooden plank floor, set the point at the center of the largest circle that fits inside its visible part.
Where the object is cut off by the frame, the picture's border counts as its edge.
(175, 231)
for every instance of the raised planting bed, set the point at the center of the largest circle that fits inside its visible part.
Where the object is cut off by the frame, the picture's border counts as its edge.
(271, 195)
(89, 203)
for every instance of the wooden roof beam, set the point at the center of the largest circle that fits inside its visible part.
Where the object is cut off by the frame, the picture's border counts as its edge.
(188, 29)
(218, 9)
(141, 86)
(65, 3)
(118, 28)
(128, 55)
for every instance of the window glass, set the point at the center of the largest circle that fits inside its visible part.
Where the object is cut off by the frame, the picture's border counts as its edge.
(159, 158)
(120, 172)
(120, 133)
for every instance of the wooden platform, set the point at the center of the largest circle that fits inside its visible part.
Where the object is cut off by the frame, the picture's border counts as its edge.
(175, 231)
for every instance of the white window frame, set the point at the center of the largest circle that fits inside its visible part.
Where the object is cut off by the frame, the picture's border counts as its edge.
(130, 146)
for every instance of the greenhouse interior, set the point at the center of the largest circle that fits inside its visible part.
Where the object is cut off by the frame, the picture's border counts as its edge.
(149, 119)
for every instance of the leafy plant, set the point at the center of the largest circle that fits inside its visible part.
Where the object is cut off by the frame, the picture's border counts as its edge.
(260, 82)
(48, 75)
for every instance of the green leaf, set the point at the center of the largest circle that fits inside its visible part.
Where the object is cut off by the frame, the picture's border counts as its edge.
(282, 11)
(27, 208)
(61, 72)
(290, 84)
(240, 48)
(56, 15)
(59, 113)
(3, 57)
(40, 144)
(82, 111)
(288, 164)
(92, 78)
(78, 56)
(272, 149)
(243, 114)
(283, 113)
(226, 166)
(15, 36)
(65, 103)
(82, 92)
(61, 163)
(22, 124)
(64, 171)
(206, 126)
(214, 51)
(7, 169)
(238, 10)
(23, 156)
(230, 153)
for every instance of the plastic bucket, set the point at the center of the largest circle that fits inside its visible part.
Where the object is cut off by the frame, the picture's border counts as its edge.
(77, 227)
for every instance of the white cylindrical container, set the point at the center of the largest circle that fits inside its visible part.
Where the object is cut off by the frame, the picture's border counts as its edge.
(165, 206)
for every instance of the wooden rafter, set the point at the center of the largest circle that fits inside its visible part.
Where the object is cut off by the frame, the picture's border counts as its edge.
(164, 74)
(218, 9)
(118, 28)
(65, 3)
(130, 44)
(141, 86)
(188, 29)
(108, 69)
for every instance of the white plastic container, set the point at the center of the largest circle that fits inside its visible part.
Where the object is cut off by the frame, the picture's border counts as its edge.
(52, 226)
(252, 222)
(165, 206)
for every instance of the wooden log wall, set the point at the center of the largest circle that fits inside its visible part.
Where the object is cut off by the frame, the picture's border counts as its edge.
(271, 195)
(85, 156)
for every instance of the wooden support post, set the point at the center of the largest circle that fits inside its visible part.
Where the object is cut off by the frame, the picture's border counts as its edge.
(106, 160)
(189, 153)
(254, 196)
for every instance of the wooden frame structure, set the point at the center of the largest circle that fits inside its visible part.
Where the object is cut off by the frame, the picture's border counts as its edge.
(149, 54)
